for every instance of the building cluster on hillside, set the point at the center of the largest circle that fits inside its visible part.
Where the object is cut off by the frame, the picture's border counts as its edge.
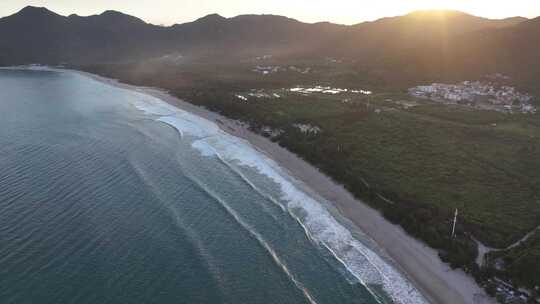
(479, 94)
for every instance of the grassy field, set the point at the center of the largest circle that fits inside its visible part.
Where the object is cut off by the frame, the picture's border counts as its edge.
(415, 160)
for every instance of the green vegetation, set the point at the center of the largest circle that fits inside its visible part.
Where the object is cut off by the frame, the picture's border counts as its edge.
(520, 263)
(414, 160)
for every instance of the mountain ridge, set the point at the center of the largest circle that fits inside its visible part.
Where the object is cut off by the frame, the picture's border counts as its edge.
(431, 42)
(31, 8)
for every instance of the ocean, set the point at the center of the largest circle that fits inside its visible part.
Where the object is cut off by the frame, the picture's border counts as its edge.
(109, 195)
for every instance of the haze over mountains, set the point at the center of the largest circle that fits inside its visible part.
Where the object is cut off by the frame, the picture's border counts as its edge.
(421, 45)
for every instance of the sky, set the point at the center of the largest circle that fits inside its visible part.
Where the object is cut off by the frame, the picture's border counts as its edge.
(167, 12)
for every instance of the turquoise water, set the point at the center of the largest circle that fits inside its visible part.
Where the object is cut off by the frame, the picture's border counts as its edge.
(111, 196)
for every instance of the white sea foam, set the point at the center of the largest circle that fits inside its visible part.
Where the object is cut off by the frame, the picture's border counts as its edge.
(320, 225)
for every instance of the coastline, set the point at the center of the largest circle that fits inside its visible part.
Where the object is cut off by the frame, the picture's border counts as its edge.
(421, 264)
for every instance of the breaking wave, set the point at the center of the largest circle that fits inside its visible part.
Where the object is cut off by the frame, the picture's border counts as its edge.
(363, 263)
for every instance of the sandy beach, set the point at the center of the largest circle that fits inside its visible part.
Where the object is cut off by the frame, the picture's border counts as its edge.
(421, 264)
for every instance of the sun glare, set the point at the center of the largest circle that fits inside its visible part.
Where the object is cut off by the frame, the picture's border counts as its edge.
(438, 4)
(483, 8)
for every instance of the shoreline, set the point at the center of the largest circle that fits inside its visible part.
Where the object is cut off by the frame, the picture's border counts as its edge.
(419, 263)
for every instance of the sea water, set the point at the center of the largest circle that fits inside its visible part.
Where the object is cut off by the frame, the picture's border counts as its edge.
(109, 195)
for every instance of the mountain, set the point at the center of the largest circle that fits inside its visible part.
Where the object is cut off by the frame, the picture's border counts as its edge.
(419, 45)
(512, 50)
(430, 45)
(37, 35)
(427, 23)
(250, 35)
(31, 33)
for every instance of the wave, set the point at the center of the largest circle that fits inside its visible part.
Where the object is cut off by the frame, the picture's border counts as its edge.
(206, 258)
(257, 236)
(320, 225)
